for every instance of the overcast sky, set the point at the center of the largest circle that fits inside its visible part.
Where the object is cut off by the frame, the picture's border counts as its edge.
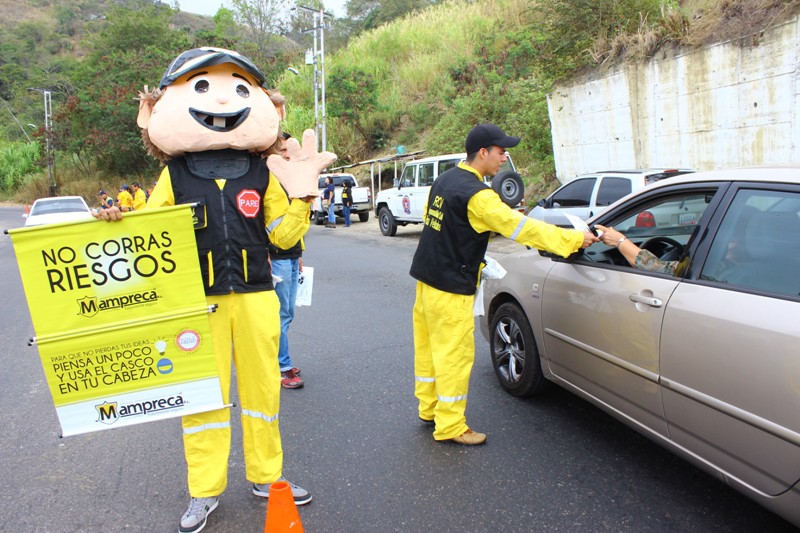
(210, 7)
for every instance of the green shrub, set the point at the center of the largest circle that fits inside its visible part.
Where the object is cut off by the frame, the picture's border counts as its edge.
(17, 160)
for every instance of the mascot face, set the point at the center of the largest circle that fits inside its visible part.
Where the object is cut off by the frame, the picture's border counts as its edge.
(211, 106)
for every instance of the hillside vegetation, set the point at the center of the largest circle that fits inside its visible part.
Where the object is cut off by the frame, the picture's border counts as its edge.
(420, 81)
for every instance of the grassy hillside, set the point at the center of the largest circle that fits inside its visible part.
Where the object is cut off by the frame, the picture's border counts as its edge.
(429, 77)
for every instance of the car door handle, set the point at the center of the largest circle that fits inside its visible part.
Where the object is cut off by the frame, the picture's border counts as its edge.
(647, 300)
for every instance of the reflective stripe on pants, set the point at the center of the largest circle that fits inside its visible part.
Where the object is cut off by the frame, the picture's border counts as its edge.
(444, 351)
(245, 328)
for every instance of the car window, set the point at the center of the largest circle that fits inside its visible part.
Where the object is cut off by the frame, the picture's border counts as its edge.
(407, 178)
(612, 189)
(664, 226)
(447, 164)
(757, 245)
(425, 175)
(576, 193)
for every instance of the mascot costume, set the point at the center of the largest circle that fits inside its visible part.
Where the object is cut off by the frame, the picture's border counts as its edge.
(213, 122)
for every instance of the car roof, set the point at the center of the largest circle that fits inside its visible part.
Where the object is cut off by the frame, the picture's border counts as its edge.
(58, 199)
(638, 171)
(787, 173)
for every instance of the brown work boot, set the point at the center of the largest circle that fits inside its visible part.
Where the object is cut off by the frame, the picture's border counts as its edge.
(470, 438)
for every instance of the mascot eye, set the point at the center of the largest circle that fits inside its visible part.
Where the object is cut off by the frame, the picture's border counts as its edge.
(242, 90)
(201, 86)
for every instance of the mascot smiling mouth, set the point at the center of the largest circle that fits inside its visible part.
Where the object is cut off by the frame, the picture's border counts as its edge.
(219, 121)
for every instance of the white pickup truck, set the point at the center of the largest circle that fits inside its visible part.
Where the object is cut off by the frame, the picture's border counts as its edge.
(362, 199)
(404, 203)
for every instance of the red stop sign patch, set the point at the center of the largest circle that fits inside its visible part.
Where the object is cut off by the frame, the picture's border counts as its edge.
(248, 202)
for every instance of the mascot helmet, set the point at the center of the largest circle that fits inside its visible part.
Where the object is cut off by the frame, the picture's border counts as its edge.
(198, 58)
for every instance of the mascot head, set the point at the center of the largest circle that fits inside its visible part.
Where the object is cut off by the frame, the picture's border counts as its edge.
(210, 99)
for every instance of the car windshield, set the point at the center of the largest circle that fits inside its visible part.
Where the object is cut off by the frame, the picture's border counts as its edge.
(70, 205)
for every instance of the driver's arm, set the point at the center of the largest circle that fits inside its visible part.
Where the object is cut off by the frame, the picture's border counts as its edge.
(641, 259)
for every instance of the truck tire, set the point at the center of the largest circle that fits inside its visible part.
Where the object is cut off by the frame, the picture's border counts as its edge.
(363, 216)
(509, 186)
(319, 218)
(386, 222)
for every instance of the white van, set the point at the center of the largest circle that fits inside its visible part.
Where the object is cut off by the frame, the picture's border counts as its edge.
(404, 203)
(590, 194)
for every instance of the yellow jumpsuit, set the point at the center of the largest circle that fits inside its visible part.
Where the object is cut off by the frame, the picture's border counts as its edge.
(444, 343)
(245, 328)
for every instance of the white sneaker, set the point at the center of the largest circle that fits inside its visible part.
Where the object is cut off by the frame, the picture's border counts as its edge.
(194, 519)
(301, 495)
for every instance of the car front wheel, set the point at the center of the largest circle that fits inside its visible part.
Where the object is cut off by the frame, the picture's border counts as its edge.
(387, 222)
(514, 354)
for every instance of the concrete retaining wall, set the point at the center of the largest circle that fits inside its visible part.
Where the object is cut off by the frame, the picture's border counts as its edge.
(719, 106)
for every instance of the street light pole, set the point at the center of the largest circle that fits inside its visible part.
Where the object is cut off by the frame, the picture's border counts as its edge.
(48, 138)
(320, 115)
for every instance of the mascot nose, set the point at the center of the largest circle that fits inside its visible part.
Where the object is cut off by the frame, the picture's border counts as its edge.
(222, 99)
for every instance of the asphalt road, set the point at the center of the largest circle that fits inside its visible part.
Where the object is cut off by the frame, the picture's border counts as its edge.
(351, 436)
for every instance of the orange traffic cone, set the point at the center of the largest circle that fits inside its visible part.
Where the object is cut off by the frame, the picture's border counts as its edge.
(282, 516)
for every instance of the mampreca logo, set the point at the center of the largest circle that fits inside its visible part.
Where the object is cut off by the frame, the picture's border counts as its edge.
(110, 412)
(91, 305)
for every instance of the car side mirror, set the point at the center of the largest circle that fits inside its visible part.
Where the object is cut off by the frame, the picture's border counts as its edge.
(542, 202)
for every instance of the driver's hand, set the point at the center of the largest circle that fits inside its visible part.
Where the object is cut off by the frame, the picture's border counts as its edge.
(610, 236)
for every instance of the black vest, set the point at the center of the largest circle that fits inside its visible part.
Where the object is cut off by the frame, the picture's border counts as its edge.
(229, 227)
(450, 252)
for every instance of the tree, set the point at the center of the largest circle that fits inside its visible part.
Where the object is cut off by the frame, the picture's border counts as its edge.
(369, 14)
(353, 98)
(262, 21)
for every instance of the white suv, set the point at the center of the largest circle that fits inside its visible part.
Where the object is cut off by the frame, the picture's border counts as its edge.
(404, 203)
(590, 194)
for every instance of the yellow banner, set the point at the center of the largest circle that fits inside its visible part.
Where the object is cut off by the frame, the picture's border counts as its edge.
(121, 319)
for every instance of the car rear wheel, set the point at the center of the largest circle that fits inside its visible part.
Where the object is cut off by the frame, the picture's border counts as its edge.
(514, 354)
(319, 218)
(509, 186)
(363, 216)
(387, 222)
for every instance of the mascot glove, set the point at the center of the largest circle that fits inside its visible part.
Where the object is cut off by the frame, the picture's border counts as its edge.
(299, 174)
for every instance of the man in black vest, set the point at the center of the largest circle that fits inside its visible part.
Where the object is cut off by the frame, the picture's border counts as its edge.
(461, 212)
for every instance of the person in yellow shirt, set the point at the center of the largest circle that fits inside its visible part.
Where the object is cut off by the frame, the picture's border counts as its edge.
(124, 199)
(228, 122)
(461, 213)
(139, 196)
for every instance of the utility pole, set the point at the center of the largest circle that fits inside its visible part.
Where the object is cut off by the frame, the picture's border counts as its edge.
(48, 138)
(318, 60)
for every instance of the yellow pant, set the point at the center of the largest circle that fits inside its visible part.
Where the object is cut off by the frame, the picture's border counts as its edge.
(246, 326)
(444, 351)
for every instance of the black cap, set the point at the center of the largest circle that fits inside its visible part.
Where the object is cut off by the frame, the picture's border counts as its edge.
(101, 193)
(198, 58)
(486, 135)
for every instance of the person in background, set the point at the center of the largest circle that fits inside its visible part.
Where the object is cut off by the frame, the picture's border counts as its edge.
(347, 201)
(139, 196)
(124, 199)
(287, 265)
(105, 200)
(461, 213)
(328, 200)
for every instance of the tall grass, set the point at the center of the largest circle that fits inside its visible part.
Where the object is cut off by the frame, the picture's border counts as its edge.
(17, 160)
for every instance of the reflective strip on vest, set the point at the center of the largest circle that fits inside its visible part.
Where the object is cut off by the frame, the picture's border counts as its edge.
(452, 399)
(425, 380)
(210, 270)
(262, 416)
(518, 229)
(205, 427)
(274, 224)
